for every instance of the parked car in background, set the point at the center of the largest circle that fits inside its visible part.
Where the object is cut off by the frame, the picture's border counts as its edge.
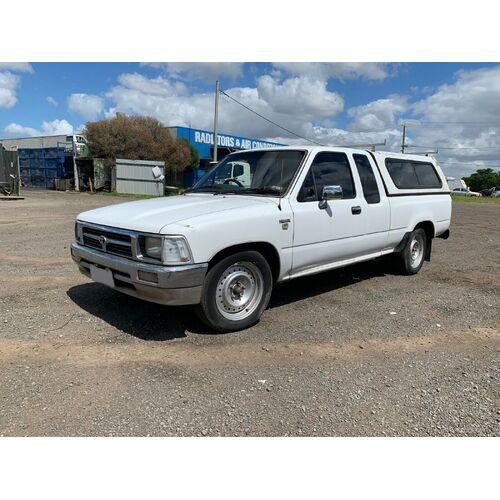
(494, 192)
(465, 192)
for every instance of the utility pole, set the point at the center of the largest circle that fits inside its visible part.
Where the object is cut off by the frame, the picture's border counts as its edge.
(404, 138)
(216, 119)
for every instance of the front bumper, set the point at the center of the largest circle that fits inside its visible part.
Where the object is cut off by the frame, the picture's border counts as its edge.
(174, 285)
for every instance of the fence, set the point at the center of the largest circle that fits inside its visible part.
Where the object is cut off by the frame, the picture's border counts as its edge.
(136, 177)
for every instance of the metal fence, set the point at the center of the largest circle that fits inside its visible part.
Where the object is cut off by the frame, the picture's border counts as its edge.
(137, 177)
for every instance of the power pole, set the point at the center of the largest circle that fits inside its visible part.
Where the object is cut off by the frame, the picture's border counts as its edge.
(216, 119)
(404, 138)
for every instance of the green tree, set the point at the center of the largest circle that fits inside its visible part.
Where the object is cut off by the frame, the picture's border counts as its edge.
(484, 178)
(137, 138)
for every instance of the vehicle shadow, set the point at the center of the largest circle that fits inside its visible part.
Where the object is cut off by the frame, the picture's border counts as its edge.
(135, 317)
(317, 284)
(149, 321)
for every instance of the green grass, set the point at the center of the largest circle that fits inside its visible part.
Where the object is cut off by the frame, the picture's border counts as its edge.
(473, 199)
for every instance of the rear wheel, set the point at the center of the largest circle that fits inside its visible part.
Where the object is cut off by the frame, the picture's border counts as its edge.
(236, 292)
(412, 257)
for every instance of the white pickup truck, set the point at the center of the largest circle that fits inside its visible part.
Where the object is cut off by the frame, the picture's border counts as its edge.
(224, 243)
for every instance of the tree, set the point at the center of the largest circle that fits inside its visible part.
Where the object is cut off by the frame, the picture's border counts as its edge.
(137, 138)
(484, 178)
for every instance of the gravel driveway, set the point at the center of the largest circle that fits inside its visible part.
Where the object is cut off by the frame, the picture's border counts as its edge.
(353, 352)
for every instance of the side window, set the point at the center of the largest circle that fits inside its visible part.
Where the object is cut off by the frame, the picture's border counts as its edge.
(368, 181)
(408, 174)
(328, 169)
(307, 191)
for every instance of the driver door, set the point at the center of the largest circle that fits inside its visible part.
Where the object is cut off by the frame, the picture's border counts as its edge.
(325, 236)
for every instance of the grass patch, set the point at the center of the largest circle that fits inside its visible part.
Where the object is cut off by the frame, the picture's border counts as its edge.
(473, 199)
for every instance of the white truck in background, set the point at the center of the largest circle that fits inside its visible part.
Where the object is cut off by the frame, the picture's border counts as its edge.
(224, 244)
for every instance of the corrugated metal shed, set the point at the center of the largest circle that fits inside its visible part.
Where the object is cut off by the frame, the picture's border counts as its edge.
(136, 177)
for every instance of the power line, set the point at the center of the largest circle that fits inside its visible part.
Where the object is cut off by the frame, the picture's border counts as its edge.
(268, 120)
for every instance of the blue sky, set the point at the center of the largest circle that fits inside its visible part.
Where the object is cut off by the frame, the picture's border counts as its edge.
(332, 103)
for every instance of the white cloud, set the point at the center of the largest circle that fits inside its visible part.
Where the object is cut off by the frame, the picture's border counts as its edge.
(207, 71)
(8, 85)
(54, 127)
(52, 101)
(295, 103)
(21, 67)
(155, 86)
(57, 127)
(378, 115)
(303, 95)
(339, 70)
(16, 130)
(89, 106)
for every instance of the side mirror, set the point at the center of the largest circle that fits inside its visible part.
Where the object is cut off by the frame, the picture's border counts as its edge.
(330, 193)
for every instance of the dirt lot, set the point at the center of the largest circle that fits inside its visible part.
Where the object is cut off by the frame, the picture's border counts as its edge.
(359, 351)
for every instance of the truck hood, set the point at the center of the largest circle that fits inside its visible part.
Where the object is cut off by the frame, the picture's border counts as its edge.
(152, 215)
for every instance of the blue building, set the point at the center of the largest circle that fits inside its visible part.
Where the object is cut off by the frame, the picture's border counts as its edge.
(203, 141)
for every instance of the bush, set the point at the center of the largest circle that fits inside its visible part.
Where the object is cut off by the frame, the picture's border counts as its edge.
(137, 138)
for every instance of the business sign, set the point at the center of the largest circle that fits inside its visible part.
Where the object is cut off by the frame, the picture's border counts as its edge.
(203, 140)
(231, 141)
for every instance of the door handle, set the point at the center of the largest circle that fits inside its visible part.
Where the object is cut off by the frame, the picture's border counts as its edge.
(355, 210)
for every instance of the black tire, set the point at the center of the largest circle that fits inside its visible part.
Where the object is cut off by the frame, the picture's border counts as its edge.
(411, 259)
(236, 292)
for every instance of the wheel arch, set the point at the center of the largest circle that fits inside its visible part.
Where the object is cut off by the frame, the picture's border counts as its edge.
(268, 251)
(430, 232)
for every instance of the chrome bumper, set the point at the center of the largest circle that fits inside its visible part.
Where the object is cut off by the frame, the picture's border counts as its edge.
(174, 285)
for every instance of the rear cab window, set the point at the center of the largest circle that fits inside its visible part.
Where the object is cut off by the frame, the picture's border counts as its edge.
(411, 174)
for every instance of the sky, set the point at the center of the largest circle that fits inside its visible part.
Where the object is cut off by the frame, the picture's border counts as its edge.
(454, 107)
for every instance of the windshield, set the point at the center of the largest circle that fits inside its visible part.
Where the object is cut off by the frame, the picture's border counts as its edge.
(252, 172)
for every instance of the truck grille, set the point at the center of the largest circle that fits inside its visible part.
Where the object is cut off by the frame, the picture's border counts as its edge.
(107, 241)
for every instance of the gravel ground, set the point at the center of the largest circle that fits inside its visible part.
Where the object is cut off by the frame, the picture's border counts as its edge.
(354, 352)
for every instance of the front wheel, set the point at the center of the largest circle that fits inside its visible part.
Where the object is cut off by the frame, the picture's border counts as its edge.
(236, 292)
(412, 257)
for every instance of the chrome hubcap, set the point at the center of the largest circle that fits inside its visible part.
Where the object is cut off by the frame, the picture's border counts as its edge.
(416, 250)
(239, 290)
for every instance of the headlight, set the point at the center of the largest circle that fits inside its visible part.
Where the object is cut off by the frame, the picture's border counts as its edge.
(168, 249)
(152, 247)
(175, 250)
(78, 232)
